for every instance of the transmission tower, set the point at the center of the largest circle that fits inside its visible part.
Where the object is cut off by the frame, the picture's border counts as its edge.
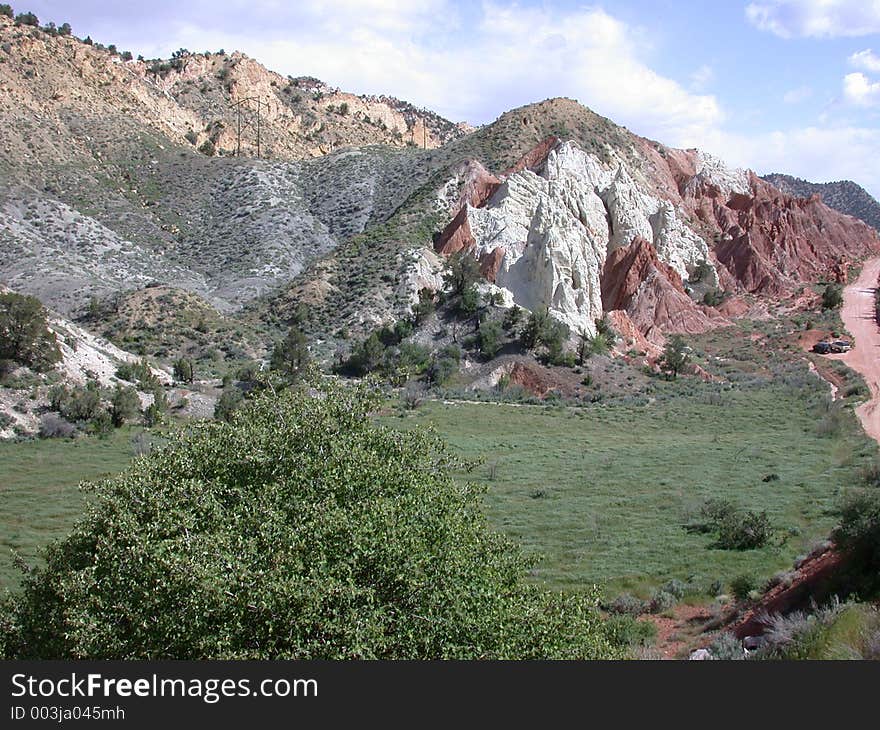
(256, 122)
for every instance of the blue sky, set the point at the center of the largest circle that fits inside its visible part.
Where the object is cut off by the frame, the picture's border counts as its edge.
(775, 85)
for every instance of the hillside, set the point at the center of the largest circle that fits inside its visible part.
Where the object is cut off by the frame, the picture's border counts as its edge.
(544, 195)
(110, 184)
(845, 195)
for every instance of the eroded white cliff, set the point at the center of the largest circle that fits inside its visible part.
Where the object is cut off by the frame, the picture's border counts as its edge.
(555, 229)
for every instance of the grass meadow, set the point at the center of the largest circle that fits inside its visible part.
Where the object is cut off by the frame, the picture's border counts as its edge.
(602, 492)
(39, 494)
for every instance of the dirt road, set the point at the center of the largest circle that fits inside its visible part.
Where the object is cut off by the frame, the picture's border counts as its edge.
(858, 316)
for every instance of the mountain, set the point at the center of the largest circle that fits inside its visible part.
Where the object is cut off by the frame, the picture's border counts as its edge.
(845, 196)
(123, 197)
(120, 173)
(546, 194)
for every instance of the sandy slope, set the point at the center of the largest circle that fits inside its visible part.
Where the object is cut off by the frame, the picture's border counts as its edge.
(858, 316)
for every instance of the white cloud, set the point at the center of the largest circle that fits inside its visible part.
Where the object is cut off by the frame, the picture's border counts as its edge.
(816, 18)
(798, 95)
(815, 153)
(866, 60)
(858, 89)
(703, 76)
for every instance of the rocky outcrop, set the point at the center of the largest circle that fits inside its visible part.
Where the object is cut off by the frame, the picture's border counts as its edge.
(544, 232)
(651, 293)
(772, 243)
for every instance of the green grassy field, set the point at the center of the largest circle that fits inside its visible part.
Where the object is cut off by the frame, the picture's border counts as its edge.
(602, 492)
(39, 495)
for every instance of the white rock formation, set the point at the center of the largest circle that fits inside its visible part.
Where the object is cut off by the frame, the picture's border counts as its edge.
(714, 171)
(557, 227)
(85, 356)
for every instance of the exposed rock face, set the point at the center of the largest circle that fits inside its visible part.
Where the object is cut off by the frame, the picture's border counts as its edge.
(651, 293)
(545, 235)
(772, 243)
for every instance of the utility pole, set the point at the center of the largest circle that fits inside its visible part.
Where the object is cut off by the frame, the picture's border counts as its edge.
(238, 107)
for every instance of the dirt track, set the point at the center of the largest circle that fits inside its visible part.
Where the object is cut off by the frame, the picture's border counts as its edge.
(858, 316)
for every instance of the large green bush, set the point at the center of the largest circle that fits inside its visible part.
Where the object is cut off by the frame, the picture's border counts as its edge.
(25, 337)
(299, 530)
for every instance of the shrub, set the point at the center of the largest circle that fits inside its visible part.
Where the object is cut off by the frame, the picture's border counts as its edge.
(54, 426)
(81, 404)
(710, 515)
(25, 336)
(627, 604)
(490, 335)
(183, 370)
(27, 19)
(744, 531)
(859, 522)
(832, 297)
(675, 588)
(742, 586)
(661, 601)
(412, 396)
(229, 402)
(101, 423)
(301, 530)
(6, 10)
(124, 404)
(627, 631)
(443, 365)
(727, 647)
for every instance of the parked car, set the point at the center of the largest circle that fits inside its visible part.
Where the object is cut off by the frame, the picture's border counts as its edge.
(841, 346)
(823, 348)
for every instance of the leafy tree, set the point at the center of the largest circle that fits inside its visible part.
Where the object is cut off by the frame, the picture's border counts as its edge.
(65, 29)
(469, 301)
(6, 10)
(124, 404)
(228, 403)
(27, 19)
(301, 530)
(425, 306)
(542, 329)
(81, 404)
(461, 273)
(675, 357)
(291, 355)
(367, 357)
(832, 297)
(443, 364)
(183, 370)
(25, 337)
(490, 336)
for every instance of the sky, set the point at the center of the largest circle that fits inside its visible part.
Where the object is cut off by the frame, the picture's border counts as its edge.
(775, 85)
